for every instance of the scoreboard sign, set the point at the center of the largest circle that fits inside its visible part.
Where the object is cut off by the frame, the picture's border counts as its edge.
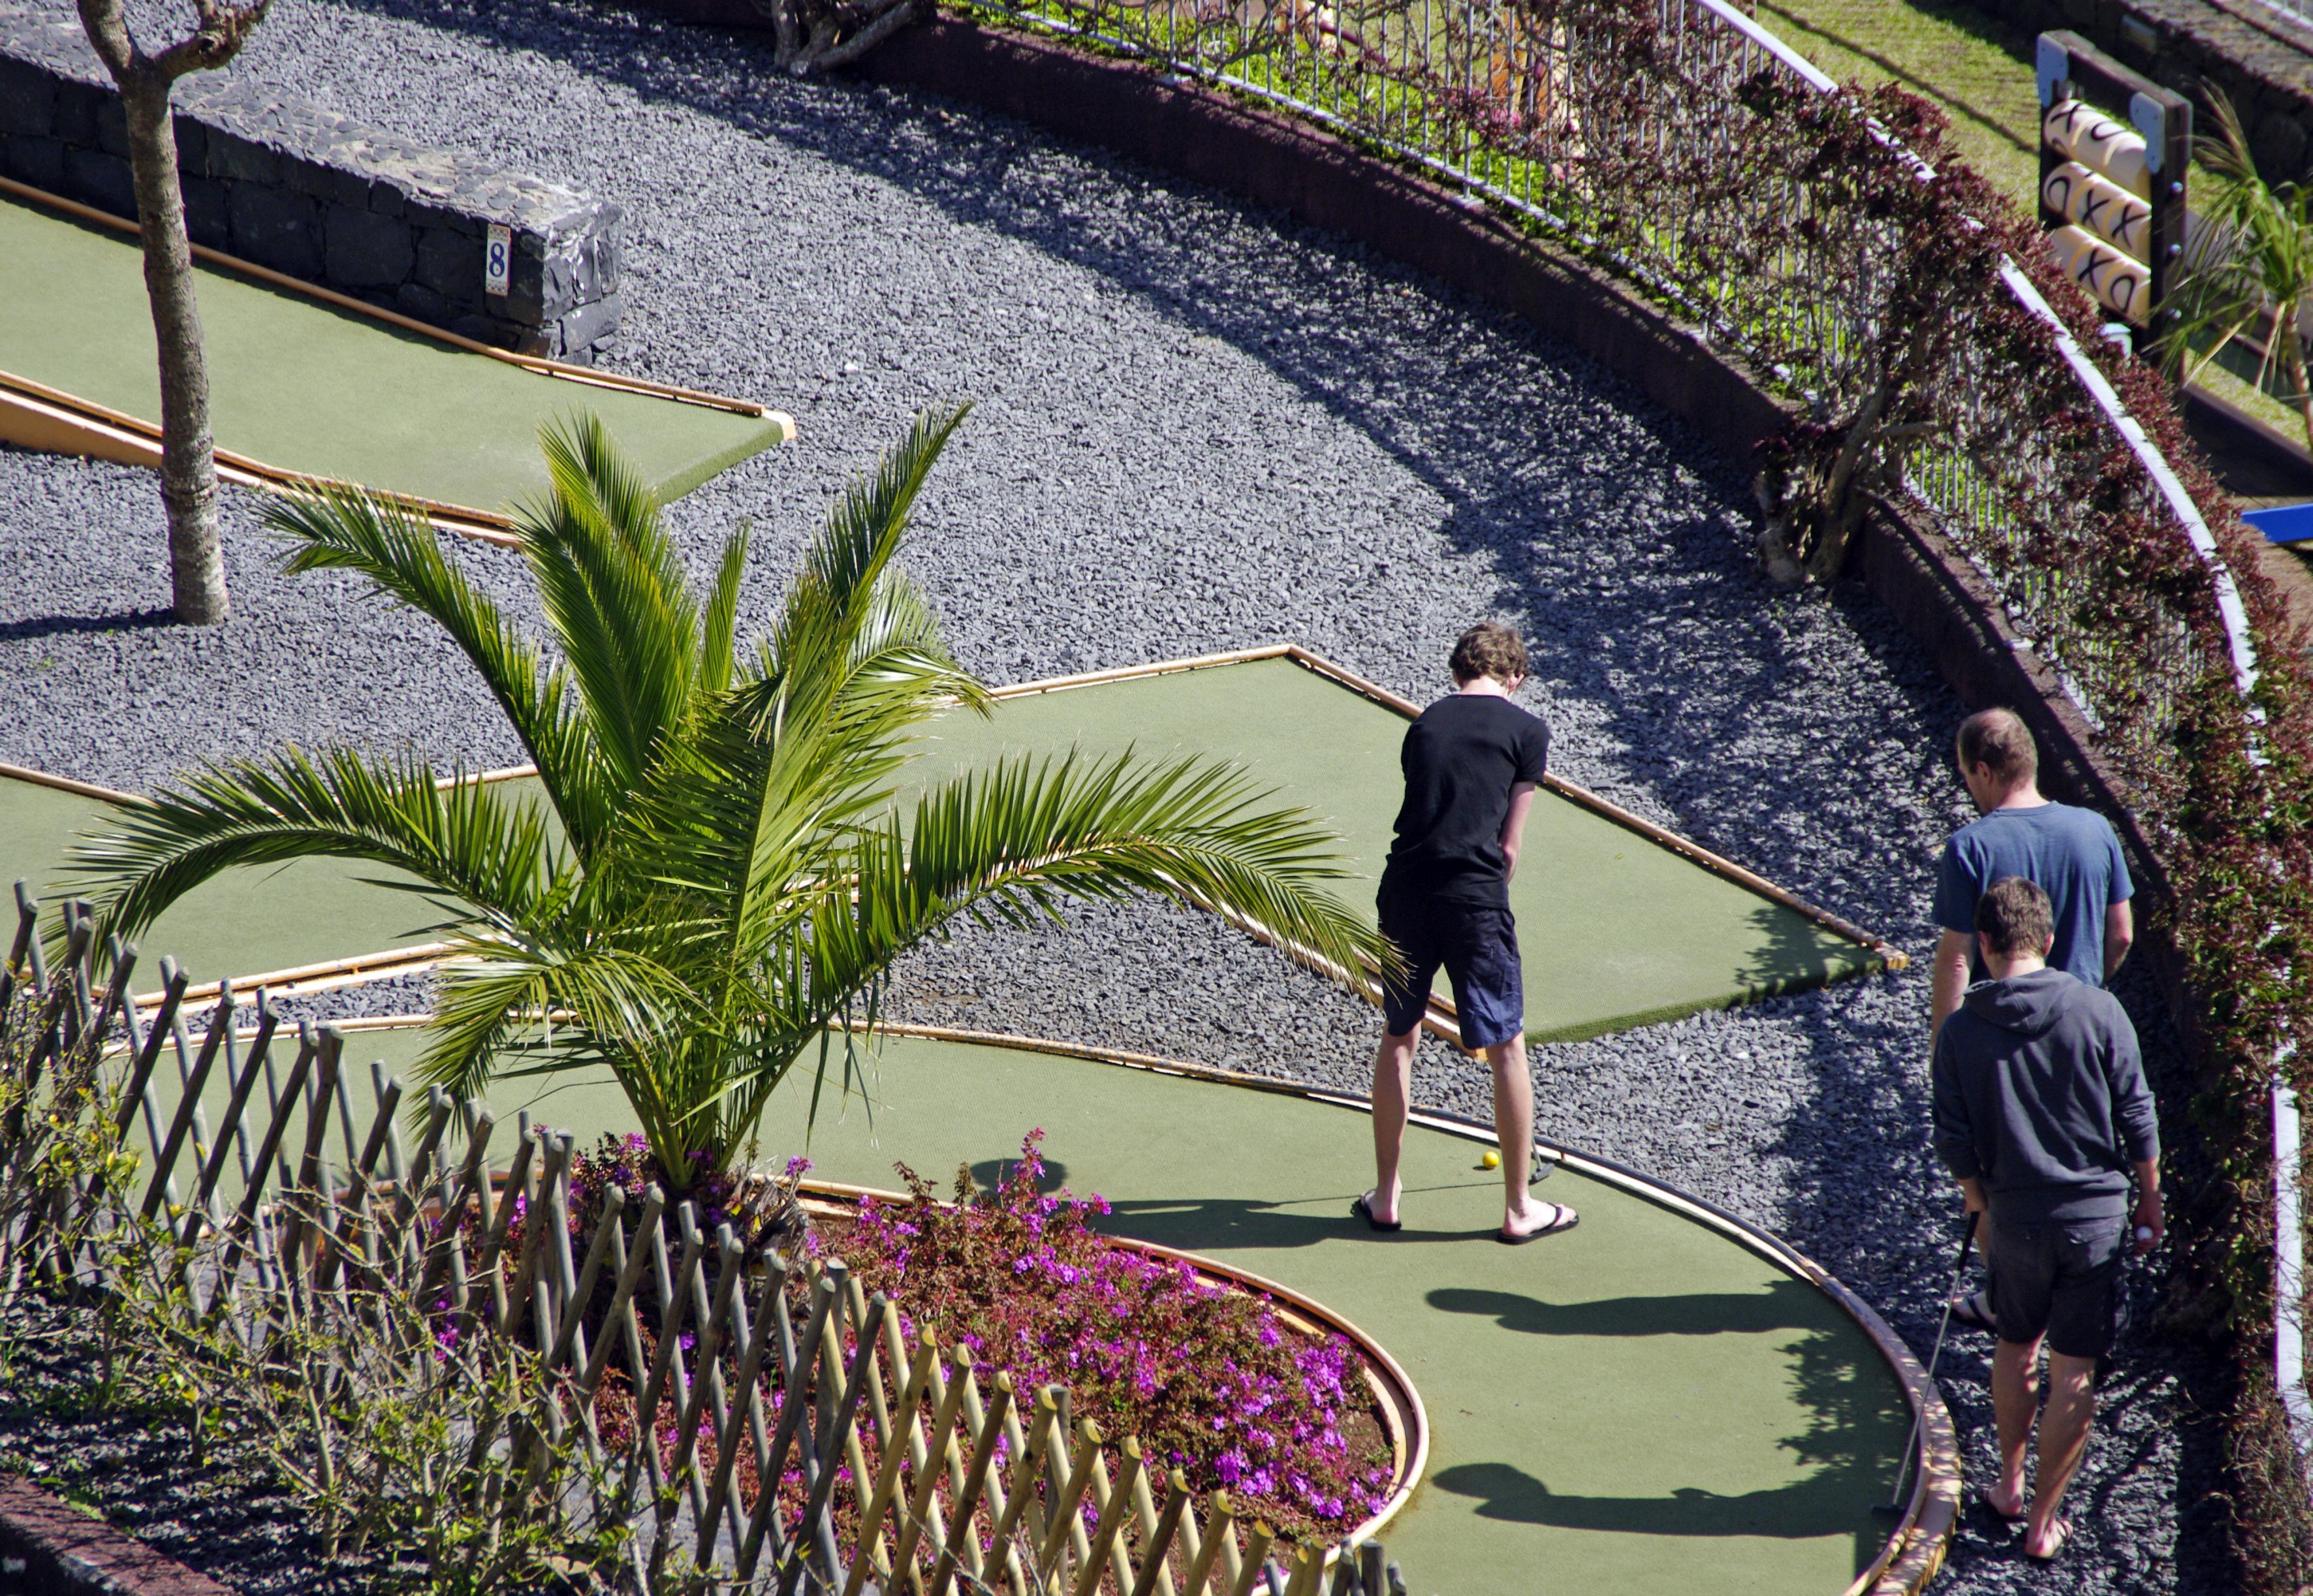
(2112, 187)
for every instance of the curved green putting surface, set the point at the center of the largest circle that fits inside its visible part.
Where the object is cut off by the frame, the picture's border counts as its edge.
(245, 922)
(1638, 1406)
(308, 388)
(1616, 930)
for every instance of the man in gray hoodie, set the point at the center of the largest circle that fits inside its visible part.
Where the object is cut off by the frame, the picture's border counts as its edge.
(2043, 1116)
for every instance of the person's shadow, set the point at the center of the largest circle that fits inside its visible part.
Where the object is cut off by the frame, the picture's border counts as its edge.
(1851, 1424)
(1203, 1225)
(1785, 1304)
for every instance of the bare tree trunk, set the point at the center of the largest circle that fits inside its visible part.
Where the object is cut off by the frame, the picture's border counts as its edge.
(189, 480)
(188, 483)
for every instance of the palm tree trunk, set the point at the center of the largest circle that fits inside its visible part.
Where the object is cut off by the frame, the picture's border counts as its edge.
(2292, 343)
(189, 480)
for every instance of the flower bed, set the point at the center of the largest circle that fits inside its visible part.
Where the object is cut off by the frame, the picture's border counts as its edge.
(1215, 1381)
(1212, 1380)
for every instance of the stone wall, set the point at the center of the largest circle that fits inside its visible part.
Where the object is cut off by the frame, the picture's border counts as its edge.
(2259, 57)
(321, 197)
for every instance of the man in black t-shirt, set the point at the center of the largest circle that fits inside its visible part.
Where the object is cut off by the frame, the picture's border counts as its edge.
(1472, 762)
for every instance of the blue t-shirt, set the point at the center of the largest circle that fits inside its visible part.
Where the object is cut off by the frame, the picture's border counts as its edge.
(2071, 855)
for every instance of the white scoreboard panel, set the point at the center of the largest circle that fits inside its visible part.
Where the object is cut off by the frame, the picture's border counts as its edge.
(2112, 189)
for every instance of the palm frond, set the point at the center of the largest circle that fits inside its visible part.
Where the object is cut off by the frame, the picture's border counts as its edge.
(558, 1006)
(470, 842)
(332, 526)
(614, 595)
(828, 602)
(1014, 841)
(2250, 260)
(718, 661)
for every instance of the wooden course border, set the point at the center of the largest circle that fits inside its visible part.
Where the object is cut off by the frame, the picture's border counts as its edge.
(35, 415)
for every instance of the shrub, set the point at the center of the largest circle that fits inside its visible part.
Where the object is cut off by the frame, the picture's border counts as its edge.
(1208, 1377)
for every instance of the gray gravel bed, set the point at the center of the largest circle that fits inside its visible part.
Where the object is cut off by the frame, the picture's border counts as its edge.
(128, 1461)
(1200, 426)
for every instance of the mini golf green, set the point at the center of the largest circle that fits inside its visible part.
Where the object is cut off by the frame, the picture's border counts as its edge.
(1617, 930)
(244, 923)
(1641, 1405)
(303, 386)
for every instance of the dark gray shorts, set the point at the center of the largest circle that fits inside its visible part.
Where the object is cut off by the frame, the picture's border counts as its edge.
(2060, 1277)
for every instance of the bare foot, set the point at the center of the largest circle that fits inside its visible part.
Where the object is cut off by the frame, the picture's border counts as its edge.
(2045, 1545)
(1536, 1220)
(2006, 1501)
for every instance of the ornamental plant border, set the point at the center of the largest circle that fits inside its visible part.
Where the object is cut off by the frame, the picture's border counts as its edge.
(368, 1243)
(1404, 1417)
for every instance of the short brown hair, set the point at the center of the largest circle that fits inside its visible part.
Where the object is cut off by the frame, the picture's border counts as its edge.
(2013, 915)
(2000, 740)
(1488, 649)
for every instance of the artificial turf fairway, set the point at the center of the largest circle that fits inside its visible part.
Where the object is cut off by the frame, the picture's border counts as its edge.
(1638, 1405)
(243, 923)
(308, 388)
(1616, 930)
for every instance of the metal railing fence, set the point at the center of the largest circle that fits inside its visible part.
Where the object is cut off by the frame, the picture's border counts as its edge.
(1626, 130)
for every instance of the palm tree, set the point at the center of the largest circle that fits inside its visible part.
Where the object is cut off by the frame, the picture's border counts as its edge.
(2252, 259)
(717, 874)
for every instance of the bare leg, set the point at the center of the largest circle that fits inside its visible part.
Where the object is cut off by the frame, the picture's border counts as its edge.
(2015, 1401)
(1514, 1130)
(1393, 1088)
(2063, 1442)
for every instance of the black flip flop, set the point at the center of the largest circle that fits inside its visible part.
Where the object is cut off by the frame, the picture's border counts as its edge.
(2063, 1528)
(1566, 1221)
(1975, 1311)
(2005, 1518)
(1363, 1209)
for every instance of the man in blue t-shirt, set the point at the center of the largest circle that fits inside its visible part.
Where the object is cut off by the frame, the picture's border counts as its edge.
(1472, 762)
(2071, 855)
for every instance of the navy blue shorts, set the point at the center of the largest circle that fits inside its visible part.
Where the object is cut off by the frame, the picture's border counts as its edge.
(1477, 946)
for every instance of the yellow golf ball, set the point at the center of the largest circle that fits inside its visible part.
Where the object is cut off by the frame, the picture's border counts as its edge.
(1491, 1160)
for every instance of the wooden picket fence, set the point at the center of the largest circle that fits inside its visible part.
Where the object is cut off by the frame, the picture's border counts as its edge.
(813, 1445)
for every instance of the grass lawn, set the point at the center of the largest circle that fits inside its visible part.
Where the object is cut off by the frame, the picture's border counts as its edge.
(1979, 70)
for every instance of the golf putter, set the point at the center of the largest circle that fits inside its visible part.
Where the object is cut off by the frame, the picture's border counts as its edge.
(1893, 1506)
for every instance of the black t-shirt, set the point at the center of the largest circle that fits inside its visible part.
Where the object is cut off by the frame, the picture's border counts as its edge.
(1461, 758)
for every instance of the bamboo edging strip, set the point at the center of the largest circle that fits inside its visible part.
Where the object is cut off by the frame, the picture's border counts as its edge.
(248, 471)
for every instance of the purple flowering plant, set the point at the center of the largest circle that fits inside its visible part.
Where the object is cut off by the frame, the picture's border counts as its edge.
(1209, 1377)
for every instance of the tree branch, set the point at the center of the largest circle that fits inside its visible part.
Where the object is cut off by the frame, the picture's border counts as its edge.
(219, 37)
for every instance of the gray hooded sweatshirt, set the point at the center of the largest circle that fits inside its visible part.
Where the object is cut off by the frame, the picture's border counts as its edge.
(2040, 1094)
